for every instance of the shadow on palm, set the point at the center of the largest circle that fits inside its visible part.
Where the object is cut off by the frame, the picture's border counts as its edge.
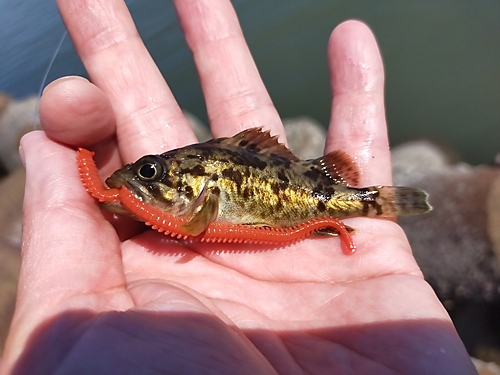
(194, 342)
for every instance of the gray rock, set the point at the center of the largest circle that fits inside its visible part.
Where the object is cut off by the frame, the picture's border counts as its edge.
(486, 368)
(306, 137)
(456, 244)
(201, 130)
(16, 119)
(11, 201)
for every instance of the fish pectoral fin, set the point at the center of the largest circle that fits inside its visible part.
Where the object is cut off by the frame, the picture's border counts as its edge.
(331, 231)
(117, 208)
(201, 219)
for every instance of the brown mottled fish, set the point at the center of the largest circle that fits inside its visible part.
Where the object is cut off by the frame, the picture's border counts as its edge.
(249, 181)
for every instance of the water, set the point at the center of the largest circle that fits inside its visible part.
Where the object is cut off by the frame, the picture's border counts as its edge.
(442, 59)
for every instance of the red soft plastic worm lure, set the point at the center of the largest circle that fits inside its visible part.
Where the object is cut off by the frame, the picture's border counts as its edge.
(91, 180)
(220, 232)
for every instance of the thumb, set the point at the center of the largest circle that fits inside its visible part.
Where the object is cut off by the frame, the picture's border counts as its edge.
(70, 254)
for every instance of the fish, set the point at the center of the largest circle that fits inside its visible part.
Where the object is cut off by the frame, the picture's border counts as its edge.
(247, 188)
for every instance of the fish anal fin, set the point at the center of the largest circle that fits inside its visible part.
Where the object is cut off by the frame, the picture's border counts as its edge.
(331, 231)
(258, 141)
(340, 167)
(199, 222)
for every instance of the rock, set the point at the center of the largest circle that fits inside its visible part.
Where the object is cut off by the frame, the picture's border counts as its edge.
(16, 119)
(486, 368)
(4, 102)
(11, 201)
(453, 244)
(201, 131)
(306, 137)
(493, 204)
(420, 156)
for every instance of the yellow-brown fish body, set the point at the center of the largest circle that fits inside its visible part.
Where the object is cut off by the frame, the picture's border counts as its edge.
(252, 179)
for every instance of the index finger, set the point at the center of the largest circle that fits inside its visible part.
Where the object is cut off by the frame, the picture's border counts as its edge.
(106, 39)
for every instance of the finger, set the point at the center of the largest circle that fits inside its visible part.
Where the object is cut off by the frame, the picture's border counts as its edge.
(68, 247)
(148, 117)
(357, 123)
(76, 112)
(235, 95)
(67, 263)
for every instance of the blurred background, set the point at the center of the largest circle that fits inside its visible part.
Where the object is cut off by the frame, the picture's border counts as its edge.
(442, 63)
(442, 59)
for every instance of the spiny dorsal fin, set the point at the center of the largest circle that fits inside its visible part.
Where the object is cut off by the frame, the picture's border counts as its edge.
(256, 140)
(340, 167)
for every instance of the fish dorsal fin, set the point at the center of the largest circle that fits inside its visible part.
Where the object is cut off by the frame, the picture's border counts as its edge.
(258, 141)
(340, 167)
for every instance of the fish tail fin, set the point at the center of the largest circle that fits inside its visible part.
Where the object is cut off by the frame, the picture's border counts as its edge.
(398, 201)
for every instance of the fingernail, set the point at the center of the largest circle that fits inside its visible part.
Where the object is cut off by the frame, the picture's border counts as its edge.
(63, 79)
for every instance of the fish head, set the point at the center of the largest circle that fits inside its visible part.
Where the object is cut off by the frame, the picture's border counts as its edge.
(156, 181)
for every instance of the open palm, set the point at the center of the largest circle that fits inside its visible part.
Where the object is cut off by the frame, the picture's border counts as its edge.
(101, 296)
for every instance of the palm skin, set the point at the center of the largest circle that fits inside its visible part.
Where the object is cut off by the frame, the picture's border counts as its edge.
(100, 296)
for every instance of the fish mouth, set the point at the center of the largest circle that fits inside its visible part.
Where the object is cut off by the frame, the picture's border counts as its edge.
(118, 180)
(115, 181)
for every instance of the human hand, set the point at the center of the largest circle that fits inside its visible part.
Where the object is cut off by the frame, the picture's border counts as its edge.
(98, 298)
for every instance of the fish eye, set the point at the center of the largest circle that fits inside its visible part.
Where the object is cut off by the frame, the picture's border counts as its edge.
(149, 170)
